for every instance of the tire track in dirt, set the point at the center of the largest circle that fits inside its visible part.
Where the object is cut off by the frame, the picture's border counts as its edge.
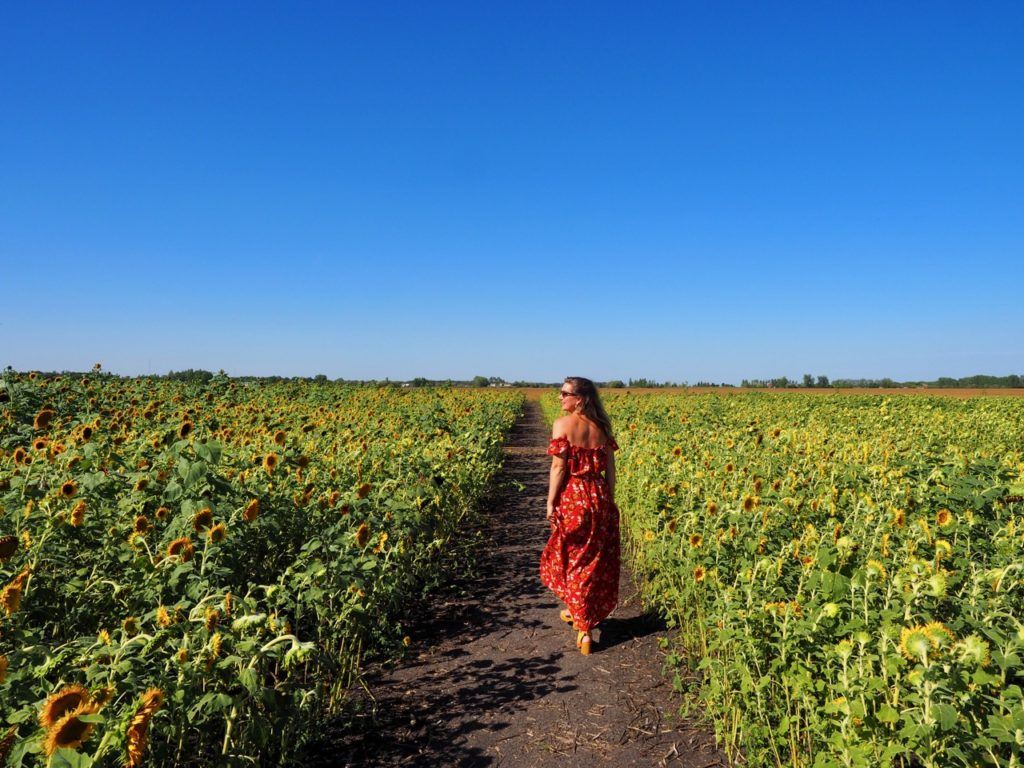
(497, 680)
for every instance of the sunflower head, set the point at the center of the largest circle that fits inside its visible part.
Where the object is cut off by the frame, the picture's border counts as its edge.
(70, 732)
(280, 437)
(181, 548)
(203, 519)
(185, 429)
(3, 668)
(943, 517)
(252, 511)
(218, 533)
(59, 704)
(39, 444)
(363, 490)
(161, 513)
(270, 462)
(914, 643)
(20, 455)
(712, 507)
(699, 573)
(362, 535)
(696, 540)
(43, 419)
(68, 489)
(141, 525)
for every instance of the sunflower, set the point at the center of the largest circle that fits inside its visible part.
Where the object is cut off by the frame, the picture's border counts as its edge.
(252, 511)
(730, 467)
(130, 625)
(229, 602)
(270, 462)
(78, 514)
(141, 525)
(203, 519)
(185, 429)
(163, 617)
(712, 508)
(914, 643)
(876, 568)
(758, 484)
(20, 455)
(182, 548)
(218, 533)
(939, 634)
(749, 502)
(8, 546)
(362, 491)
(362, 535)
(141, 483)
(699, 573)
(39, 444)
(43, 419)
(899, 518)
(3, 668)
(182, 655)
(161, 513)
(87, 432)
(943, 517)
(211, 618)
(137, 736)
(677, 451)
(696, 540)
(70, 731)
(10, 597)
(776, 484)
(62, 702)
(380, 544)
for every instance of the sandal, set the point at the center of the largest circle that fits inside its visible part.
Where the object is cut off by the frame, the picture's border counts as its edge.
(583, 642)
(565, 616)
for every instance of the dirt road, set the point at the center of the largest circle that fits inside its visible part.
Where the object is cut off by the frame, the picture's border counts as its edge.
(497, 680)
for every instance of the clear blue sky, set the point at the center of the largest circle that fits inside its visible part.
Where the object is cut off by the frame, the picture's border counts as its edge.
(682, 191)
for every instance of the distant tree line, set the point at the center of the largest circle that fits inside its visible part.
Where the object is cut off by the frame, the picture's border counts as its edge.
(943, 382)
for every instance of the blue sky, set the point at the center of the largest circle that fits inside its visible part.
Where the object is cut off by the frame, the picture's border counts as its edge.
(681, 191)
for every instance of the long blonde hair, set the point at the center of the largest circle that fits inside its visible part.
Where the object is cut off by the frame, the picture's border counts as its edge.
(590, 403)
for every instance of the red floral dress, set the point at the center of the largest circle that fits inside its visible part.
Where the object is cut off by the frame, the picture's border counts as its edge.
(580, 562)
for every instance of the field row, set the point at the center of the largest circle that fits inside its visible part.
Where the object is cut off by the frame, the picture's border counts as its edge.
(192, 575)
(844, 571)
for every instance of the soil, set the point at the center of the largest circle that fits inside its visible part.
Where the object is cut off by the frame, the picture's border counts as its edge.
(495, 678)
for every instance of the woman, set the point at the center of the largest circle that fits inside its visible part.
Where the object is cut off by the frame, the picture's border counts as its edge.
(580, 563)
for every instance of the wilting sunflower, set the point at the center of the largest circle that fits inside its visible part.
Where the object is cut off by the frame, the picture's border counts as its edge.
(70, 732)
(68, 489)
(362, 534)
(59, 704)
(8, 546)
(78, 514)
(137, 736)
(363, 490)
(211, 618)
(252, 511)
(270, 462)
(218, 533)
(203, 519)
(181, 548)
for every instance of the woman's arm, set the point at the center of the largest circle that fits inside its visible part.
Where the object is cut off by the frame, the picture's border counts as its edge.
(609, 472)
(555, 482)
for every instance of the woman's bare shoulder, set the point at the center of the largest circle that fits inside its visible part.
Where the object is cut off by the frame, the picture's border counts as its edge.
(561, 426)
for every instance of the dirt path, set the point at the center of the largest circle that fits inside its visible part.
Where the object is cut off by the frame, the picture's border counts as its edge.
(498, 681)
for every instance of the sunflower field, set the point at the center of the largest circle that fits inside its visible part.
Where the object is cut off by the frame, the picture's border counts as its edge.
(844, 572)
(192, 574)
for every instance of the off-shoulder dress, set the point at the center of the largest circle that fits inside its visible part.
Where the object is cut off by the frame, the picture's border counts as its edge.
(580, 562)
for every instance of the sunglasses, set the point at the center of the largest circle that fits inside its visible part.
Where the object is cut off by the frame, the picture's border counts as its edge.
(563, 393)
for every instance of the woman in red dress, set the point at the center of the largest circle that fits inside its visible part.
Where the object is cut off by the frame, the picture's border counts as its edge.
(580, 563)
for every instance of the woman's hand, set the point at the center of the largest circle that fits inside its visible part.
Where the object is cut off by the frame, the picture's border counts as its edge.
(551, 511)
